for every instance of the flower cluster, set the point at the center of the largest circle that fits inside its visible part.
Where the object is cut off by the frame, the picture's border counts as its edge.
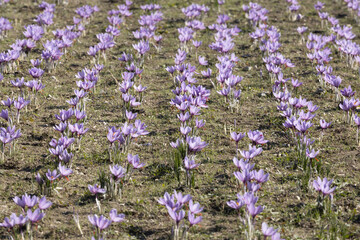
(29, 217)
(101, 223)
(176, 212)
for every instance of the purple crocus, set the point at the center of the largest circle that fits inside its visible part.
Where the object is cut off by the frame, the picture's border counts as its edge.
(36, 72)
(193, 220)
(142, 47)
(237, 137)
(324, 124)
(44, 204)
(135, 161)
(20, 201)
(52, 175)
(195, 208)
(115, 217)
(323, 186)
(253, 211)
(190, 163)
(99, 222)
(30, 202)
(260, 176)
(195, 144)
(257, 137)
(117, 171)
(267, 231)
(176, 216)
(235, 204)
(64, 172)
(96, 189)
(35, 216)
(182, 199)
(253, 152)
(8, 223)
(202, 61)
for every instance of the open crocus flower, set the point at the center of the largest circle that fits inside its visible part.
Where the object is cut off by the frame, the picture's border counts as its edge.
(44, 204)
(253, 152)
(253, 211)
(52, 175)
(190, 163)
(135, 161)
(99, 222)
(235, 204)
(95, 189)
(195, 144)
(323, 186)
(117, 171)
(267, 231)
(116, 217)
(194, 220)
(182, 199)
(177, 216)
(244, 165)
(311, 154)
(237, 137)
(257, 137)
(64, 172)
(260, 176)
(324, 124)
(35, 216)
(195, 208)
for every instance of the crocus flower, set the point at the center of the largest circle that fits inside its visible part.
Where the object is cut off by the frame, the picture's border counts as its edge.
(117, 171)
(35, 216)
(135, 161)
(99, 222)
(168, 200)
(116, 217)
(323, 186)
(20, 103)
(5, 114)
(36, 72)
(8, 223)
(177, 216)
(199, 123)
(52, 175)
(64, 172)
(266, 230)
(276, 236)
(195, 208)
(182, 199)
(253, 211)
(195, 144)
(95, 189)
(237, 137)
(30, 202)
(253, 152)
(324, 124)
(248, 198)
(194, 220)
(244, 165)
(311, 154)
(44, 204)
(235, 204)
(190, 163)
(19, 220)
(260, 176)
(202, 61)
(257, 137)
(39, 179)
(20, 201)
(243, 176)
